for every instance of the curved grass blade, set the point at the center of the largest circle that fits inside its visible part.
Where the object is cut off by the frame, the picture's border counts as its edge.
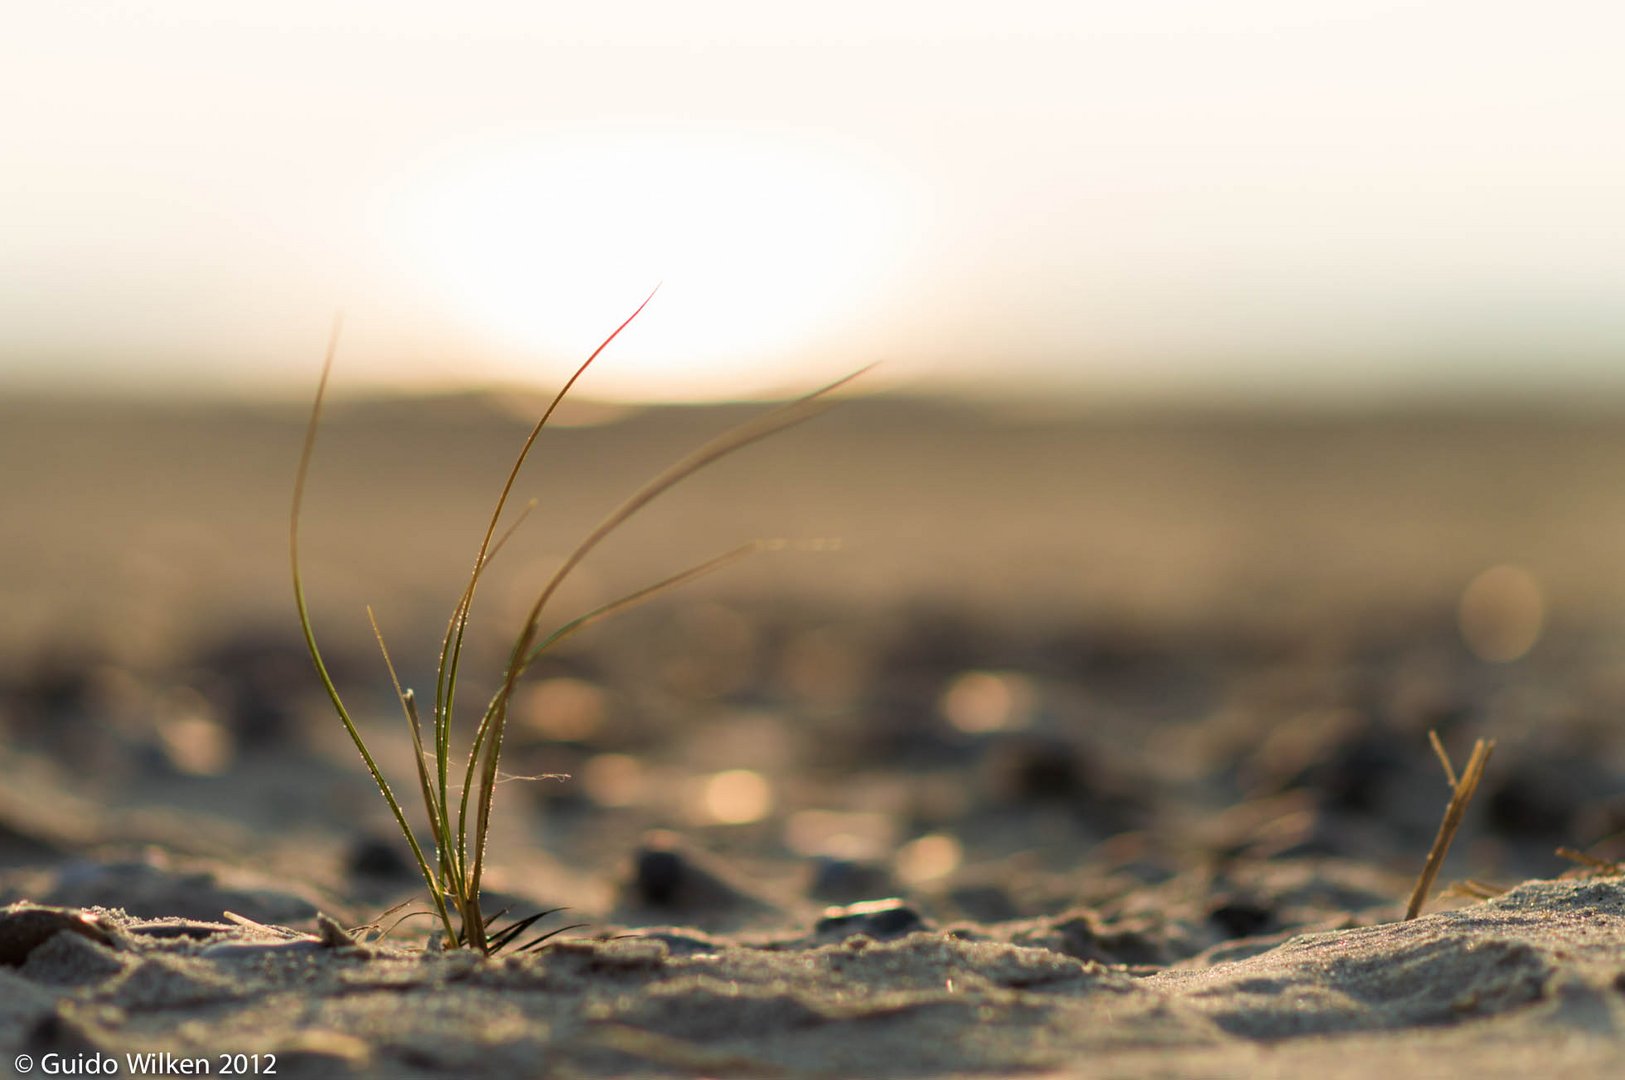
(505, 936)
(543, 939)
(439, 820)
(753, 431)
(456, 877)
(452, 650)
(413, 724)
(581, 622)
(307, 451)
(451, 870)
(645, 594)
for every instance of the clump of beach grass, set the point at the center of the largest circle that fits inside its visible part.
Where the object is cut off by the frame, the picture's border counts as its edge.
(460, 829)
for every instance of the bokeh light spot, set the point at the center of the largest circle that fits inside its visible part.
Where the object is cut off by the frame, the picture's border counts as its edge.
(840, 834)
(192, 737)
(982, 701)
(1502, 613)
(614, 779)
(927, 858)
(737, 797)
(563, 709)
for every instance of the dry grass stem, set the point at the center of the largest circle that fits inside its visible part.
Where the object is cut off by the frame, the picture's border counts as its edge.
(1474, 889)
(1444, 758)
(1591, 862)
(1462, 791)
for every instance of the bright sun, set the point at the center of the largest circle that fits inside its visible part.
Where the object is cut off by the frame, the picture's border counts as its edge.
(765, 251)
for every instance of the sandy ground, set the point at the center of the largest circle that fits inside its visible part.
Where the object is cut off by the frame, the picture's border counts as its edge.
(1528, 984)
(1097, 747)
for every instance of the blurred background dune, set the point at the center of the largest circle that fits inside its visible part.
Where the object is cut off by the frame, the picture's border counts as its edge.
(143, 526)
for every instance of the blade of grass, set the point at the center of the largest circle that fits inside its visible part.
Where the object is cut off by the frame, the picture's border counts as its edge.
(453, 875)
(439, 820)
(503, 937)
(307, 451)
(647, 593)
(452, 646)
(451, 852)
(452, 650)
(614, 607)
(542, 939)
(735, 439)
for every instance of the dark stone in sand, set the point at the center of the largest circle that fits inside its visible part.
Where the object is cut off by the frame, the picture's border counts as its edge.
(167, 929)
(1553, 798)
(61, 685)
(376, 858)
(247, 674)
(658, 874)
(934, 641)
(672, 878)
(1036, 768)
(1528, 805)
(878, 919)
(1031, 768)
(1080, 935)
(1238, 917)
(25, 927)
(844, 881)
(21, 845)
(684, 942)
(1358, 775)
(65, 1035)
(984, 902)
(901, 725)
(1108, 652)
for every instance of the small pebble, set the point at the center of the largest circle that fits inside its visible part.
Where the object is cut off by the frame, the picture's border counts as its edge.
(163, 929)
(373, 857)
(878, 919)
(670, 878)
(658, 875)
(847, 880)
(25, 927)
(240, 950)
(1241, 918)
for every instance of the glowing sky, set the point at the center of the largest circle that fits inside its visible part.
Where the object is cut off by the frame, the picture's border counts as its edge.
(1242, 196)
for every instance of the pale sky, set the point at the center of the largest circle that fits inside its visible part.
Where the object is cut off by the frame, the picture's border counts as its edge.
(1236, 196)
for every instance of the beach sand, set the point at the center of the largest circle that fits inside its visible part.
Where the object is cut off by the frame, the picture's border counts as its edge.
(1097, 746)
